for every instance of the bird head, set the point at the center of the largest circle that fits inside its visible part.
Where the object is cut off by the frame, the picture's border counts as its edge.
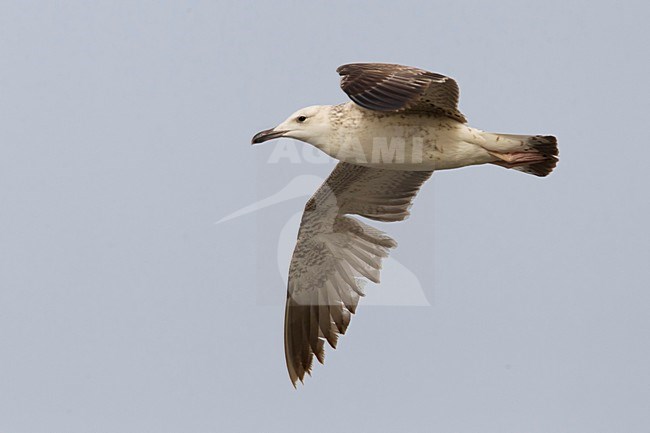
(311, 125)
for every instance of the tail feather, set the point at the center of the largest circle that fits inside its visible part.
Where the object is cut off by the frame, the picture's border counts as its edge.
(532, 154)
(541, 169)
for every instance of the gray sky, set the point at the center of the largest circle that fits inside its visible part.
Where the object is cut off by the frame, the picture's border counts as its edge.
(124, 137)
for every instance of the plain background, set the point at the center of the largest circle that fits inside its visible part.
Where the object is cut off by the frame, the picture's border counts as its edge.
(124, 135)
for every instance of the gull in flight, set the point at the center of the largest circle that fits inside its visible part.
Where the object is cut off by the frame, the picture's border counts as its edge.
(402, 125)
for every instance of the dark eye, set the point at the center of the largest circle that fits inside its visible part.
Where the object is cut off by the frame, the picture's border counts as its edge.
(302, 118)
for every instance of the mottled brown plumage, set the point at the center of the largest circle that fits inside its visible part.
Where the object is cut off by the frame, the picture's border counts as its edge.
(394, 88)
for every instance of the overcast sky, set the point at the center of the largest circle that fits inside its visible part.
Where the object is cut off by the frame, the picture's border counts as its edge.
(125, 132)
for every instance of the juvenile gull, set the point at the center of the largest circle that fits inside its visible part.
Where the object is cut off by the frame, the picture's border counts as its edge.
(402, 125)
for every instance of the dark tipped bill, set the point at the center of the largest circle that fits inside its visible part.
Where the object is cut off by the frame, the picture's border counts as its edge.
(266, 135)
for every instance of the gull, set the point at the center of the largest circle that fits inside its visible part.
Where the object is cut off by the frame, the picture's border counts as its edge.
(402, 124)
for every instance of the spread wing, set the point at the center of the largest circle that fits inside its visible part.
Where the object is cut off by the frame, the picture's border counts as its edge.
(334, 252)
(388, 87)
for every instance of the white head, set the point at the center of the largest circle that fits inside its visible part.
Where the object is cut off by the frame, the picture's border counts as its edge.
(311, 125)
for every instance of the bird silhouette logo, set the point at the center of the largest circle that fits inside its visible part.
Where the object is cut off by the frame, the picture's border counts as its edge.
(400, 285)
